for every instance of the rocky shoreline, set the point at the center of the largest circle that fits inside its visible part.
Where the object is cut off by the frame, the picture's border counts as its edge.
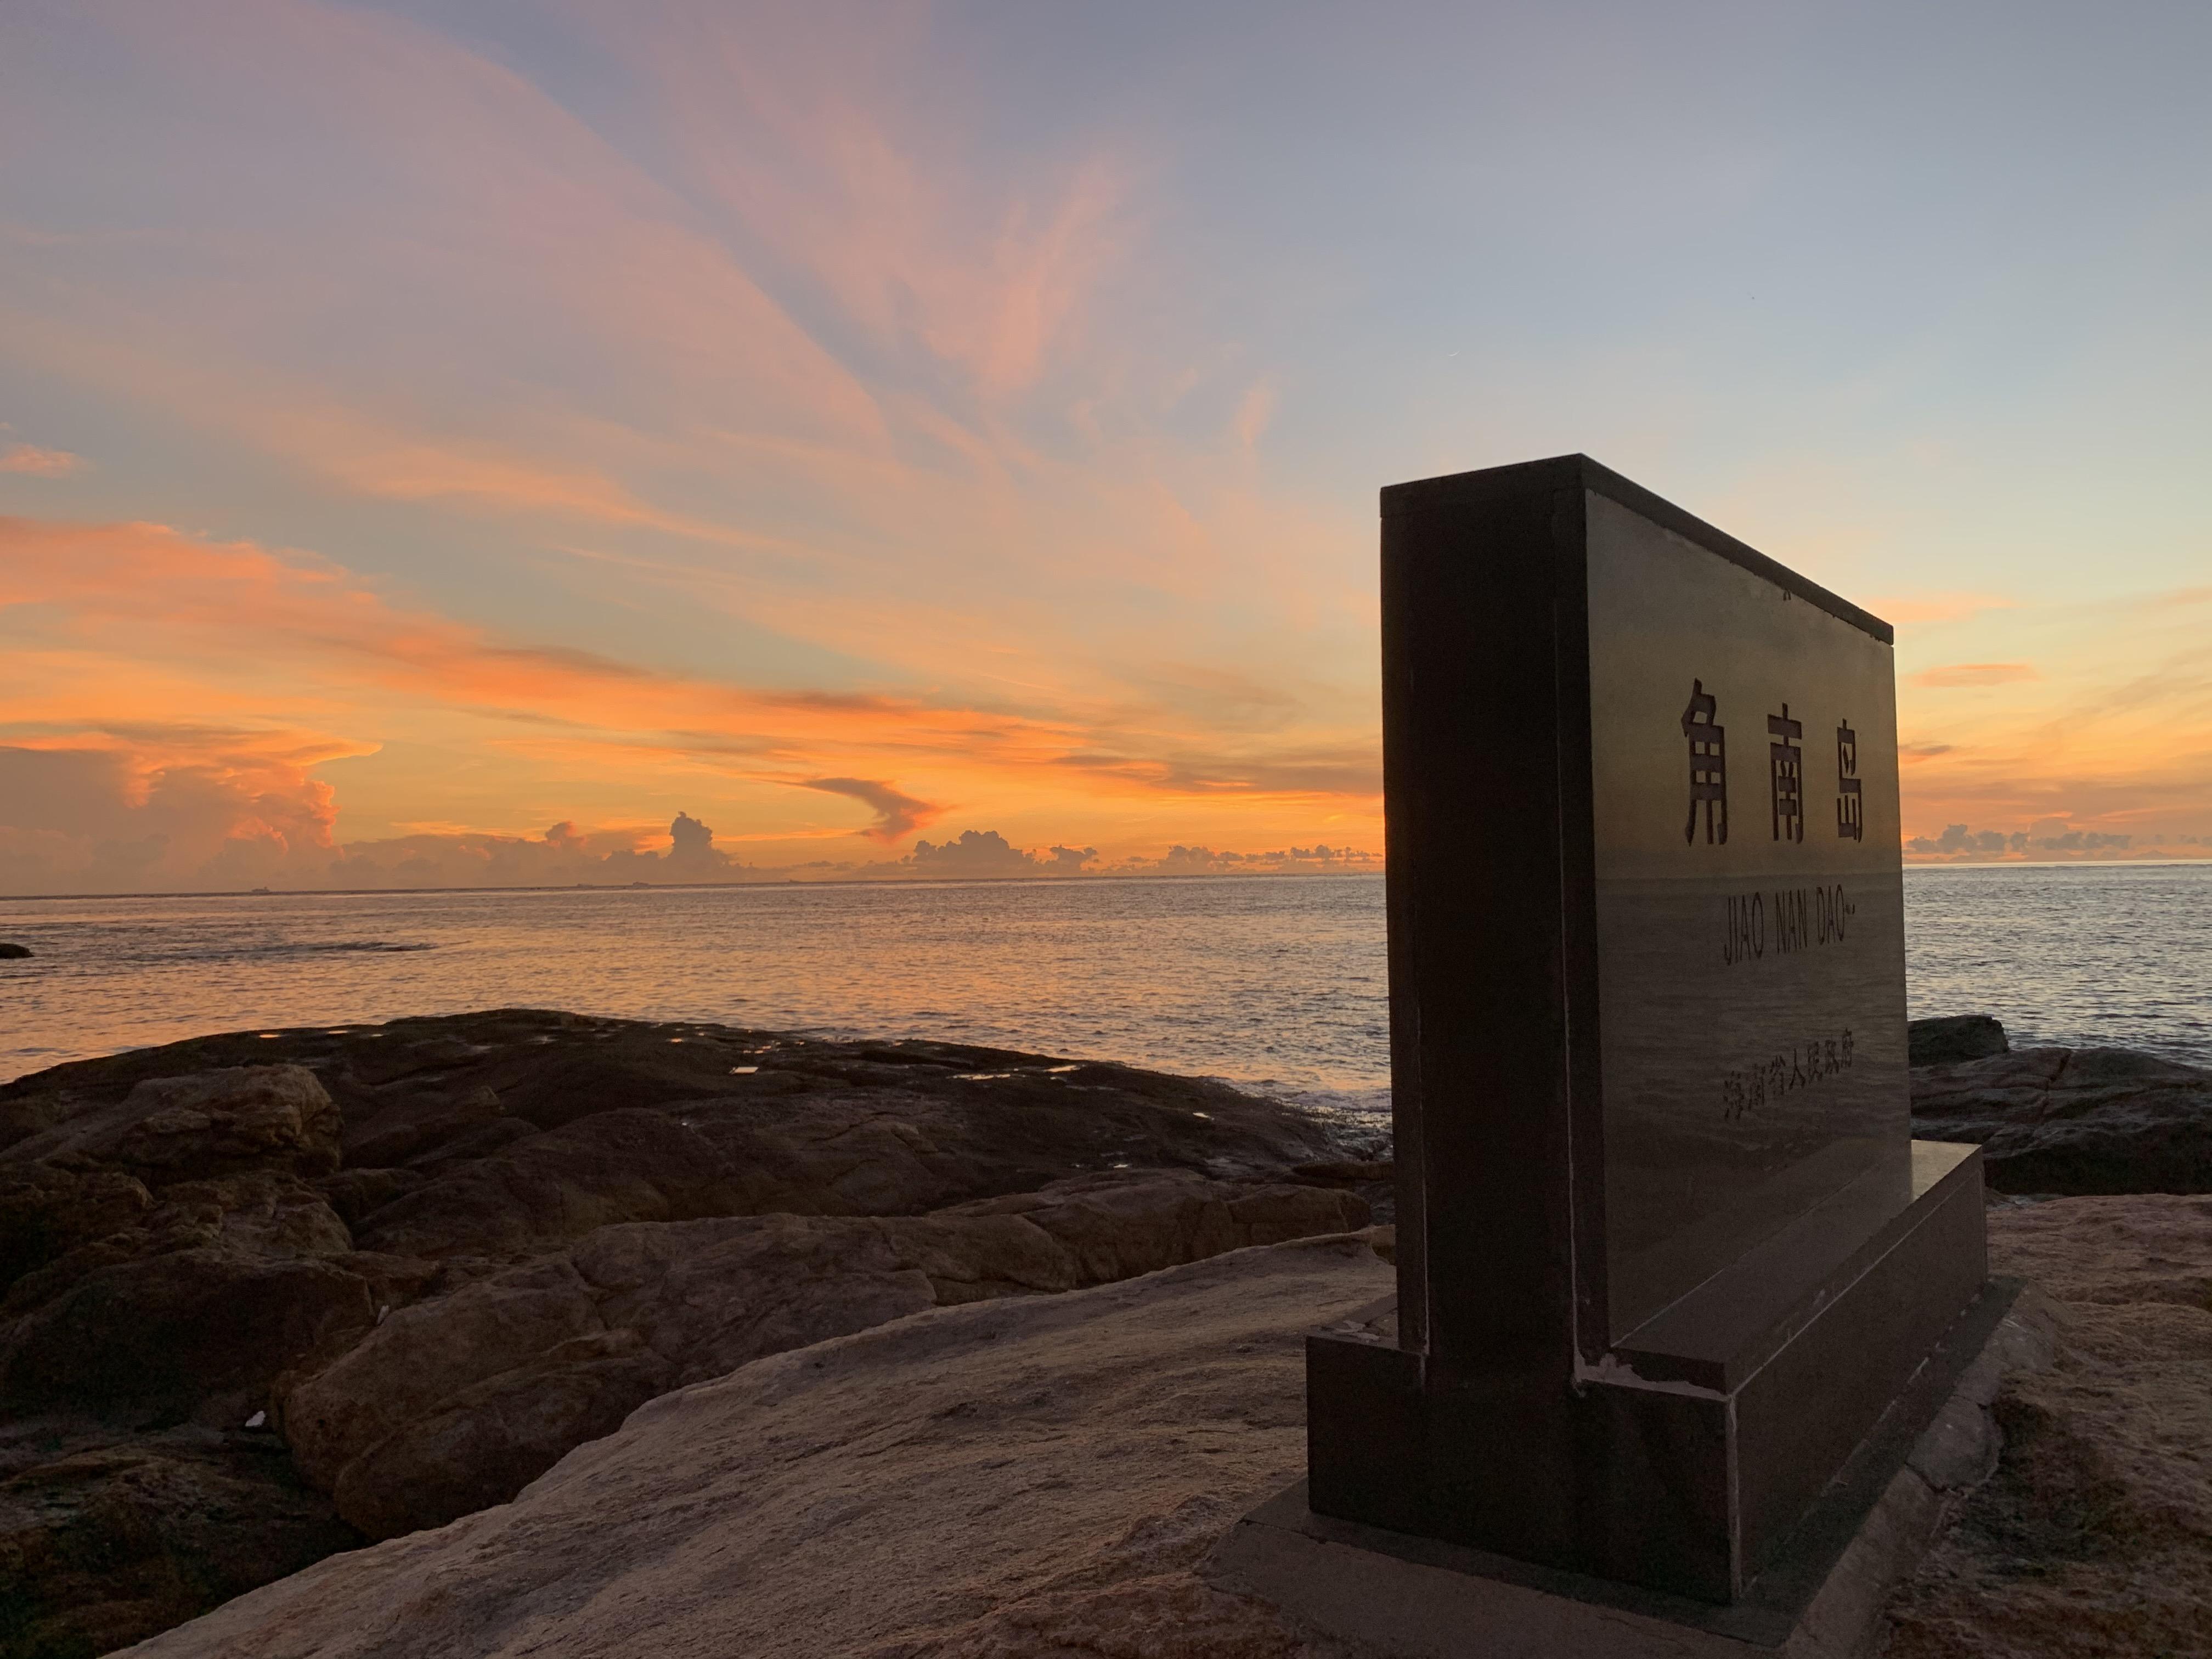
(271, 1297)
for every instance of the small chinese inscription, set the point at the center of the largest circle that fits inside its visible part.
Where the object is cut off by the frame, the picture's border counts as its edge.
(1786, 775)
(1708, 764)
(1804, 1064)
(1851, 823)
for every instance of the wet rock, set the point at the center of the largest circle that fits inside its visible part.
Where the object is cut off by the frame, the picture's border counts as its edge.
(2075, 1120)
(1953, 1038)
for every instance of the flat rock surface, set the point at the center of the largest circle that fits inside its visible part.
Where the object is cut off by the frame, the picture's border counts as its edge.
(1042, 1477)
(1037, 1477)
(2071, 1120)
(2094, 1535)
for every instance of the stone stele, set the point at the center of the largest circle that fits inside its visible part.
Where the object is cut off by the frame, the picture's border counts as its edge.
(1668, 1251)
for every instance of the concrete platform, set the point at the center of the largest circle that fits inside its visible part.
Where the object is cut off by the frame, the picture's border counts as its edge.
(1397, 1596)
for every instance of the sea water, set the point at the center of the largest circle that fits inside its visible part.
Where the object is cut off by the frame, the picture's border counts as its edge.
(1274, 982)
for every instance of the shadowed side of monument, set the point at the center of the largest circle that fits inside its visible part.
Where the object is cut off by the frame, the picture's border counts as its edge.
(1667, 1248)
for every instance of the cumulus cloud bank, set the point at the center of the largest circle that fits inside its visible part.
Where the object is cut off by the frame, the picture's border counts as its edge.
(1957, 840)
(97, 821)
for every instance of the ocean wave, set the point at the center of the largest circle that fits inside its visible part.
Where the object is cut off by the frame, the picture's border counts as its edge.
(284, 948)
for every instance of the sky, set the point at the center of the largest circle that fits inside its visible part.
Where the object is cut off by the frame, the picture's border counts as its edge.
(471, 442)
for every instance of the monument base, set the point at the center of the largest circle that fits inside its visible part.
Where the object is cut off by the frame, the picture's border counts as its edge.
(1683, 1459)
(1820, 1596)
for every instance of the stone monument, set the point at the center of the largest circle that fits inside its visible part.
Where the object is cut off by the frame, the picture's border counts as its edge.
(1666, 1250)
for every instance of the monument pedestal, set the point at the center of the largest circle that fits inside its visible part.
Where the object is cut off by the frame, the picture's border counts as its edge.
(1820, 1595)
(1683, 1458)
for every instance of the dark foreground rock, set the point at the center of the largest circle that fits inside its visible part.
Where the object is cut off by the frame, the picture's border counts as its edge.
(424, 1260)
(106, 1535)
(11, 951)
(2072, 1120)
(1953, 1038)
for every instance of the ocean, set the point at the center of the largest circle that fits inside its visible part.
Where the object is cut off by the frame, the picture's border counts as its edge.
(1273, 982)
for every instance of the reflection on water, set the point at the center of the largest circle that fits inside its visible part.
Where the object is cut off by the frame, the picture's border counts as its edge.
(1256, 979)
(2115, 956)
(1251, 978)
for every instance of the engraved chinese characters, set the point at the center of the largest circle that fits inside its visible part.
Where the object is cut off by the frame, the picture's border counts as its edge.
(1708, 765)
(1707, 739)
(1728, 962)
(1850, 823)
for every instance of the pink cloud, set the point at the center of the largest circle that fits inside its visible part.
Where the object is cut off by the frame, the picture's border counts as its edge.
(39, 462)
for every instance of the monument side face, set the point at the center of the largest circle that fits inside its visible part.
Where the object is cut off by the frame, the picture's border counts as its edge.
(1749, 906)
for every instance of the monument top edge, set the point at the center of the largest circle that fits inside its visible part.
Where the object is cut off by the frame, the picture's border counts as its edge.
(1558, 472)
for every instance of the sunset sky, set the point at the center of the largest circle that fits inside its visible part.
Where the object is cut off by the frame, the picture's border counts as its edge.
(443, 442)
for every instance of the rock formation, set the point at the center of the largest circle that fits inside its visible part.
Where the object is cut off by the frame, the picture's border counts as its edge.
(1953, 1038)
(1044, 1477)
(264, 1295)
(2075, 1120)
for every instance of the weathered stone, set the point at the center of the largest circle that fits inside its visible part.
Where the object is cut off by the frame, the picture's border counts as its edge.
(2075, 1120)
(1953, 1038)
(192, 1334)
(706, 1195)
(493, 1438)
(634, 1164)
(356, 1194)
(198, 1126)
(46, 1212)
(105, 1540)
(259, 1213)
(1024, 1476)
(697, 1299)
(2093, 1535)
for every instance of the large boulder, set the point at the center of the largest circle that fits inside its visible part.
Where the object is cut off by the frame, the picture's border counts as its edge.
(453, 1404)
(194, 1334)
(202, 1125)
(1953, 1038)
(2075, 1120)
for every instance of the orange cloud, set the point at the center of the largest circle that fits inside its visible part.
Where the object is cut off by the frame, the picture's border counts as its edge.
(1928, 608)
(1974, 673)
(897, 816)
